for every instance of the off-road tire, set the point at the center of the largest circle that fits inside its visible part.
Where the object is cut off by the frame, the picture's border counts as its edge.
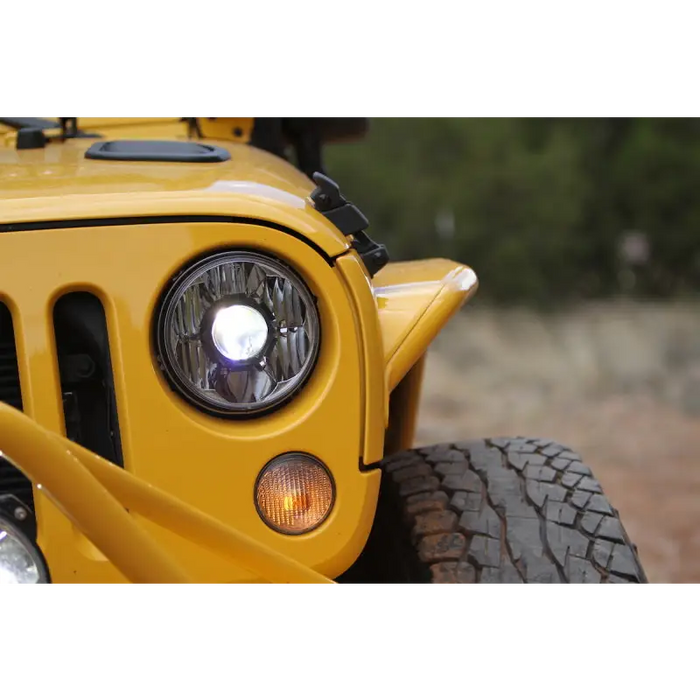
(508, 510)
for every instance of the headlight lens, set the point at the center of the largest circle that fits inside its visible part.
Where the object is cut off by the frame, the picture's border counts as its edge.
(238, 333)
(20, 561)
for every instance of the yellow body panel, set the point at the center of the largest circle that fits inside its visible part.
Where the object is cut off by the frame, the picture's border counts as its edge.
(58, 183)
(93, 493)
(403, 410)
(105, 124)
(376, 396)
(236, 129)
(96, 232)
(207, 462)
(226, 128)
(414, 301)
(61, 477)
(164, 128)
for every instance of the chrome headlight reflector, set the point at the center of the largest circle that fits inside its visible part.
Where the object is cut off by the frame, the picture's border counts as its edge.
(238, 333)
(20, 560)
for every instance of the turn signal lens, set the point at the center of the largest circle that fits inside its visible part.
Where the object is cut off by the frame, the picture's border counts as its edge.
(294, 494)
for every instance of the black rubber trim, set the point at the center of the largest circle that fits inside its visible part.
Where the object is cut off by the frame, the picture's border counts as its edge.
(158, 151)
(171, 219)
(365, 468)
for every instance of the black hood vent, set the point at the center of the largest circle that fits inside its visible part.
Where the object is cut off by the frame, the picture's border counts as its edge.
(158, 151)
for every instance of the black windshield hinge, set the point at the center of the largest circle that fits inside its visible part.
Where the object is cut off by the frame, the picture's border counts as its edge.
(349, 220)
(69, 127)
(194, 131)
(31, 131)
(70, 130)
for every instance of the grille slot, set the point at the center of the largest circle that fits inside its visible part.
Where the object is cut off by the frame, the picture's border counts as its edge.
(87, 380)
(12, 481)
(9, 374)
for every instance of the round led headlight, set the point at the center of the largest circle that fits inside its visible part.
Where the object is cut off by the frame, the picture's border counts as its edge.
(237, 333)
(20, 560)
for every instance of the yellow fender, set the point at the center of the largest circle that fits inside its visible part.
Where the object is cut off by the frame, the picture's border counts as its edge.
(399, 312)
(415, 300)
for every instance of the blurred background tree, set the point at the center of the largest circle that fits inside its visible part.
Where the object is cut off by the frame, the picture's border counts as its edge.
(545, 210)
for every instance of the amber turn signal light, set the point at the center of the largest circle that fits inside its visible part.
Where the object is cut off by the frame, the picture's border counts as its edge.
(294, 493)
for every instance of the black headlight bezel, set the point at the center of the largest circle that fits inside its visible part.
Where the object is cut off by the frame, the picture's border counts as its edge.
(180, 387)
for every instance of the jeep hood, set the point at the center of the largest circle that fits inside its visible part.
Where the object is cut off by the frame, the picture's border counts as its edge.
(58, 183)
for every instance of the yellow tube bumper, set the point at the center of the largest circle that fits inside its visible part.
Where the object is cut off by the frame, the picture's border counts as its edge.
(101, 500)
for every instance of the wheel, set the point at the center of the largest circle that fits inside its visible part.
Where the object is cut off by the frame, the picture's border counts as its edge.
(495, 511)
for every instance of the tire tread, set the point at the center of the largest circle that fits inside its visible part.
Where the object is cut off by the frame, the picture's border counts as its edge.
(507, 510)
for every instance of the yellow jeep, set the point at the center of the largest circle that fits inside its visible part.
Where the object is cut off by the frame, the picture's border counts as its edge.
(210, 372)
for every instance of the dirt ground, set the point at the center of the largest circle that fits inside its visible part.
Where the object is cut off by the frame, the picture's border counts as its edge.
(618, 382)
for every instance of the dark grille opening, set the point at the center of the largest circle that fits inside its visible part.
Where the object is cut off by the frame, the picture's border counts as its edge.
(87, 382)
(9, 373)
(12, 481)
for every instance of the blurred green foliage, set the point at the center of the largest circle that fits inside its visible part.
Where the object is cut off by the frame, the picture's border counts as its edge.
(538, 207)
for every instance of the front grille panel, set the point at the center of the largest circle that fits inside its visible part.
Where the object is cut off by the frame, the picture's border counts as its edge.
(12, 481)
(87, 383)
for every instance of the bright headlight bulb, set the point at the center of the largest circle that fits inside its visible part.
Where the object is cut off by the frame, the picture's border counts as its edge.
(239, 332)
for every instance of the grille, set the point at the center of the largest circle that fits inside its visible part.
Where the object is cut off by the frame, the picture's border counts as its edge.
(11, 480)
(9, 374)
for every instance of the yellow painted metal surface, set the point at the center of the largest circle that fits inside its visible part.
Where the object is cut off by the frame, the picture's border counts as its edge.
(90, 124)
(162, 131)
(226, 128)
(369, 335)
(373, 333)
(94, 494)
(403, 411)
(196, 526)
(236, 129)
(85, 501)
(414, 301)
(398, 314)
(163, 128)
(58, 183)
(207, 462)
(106, 124)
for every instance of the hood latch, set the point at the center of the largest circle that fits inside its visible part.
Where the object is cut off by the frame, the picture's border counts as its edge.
(349, 220)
